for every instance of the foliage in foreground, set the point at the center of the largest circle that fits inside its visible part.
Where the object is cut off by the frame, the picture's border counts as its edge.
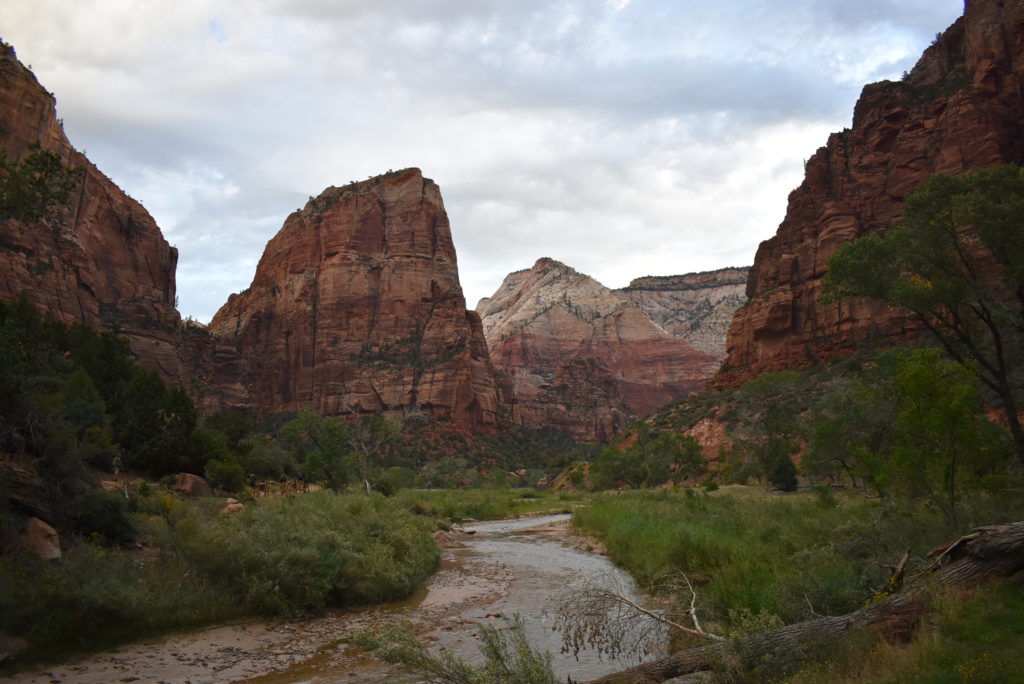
(279, 557)
(777, 558)
(508, 657)
(974, 638)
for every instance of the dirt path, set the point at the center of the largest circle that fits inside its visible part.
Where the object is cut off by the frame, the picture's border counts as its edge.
(484, 576)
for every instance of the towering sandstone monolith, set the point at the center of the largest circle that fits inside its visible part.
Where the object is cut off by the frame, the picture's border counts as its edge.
(960, 109)
(582, 358)
(106, 264)
(356, 308)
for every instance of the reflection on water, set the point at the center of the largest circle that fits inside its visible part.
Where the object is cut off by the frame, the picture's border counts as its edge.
(501, 569)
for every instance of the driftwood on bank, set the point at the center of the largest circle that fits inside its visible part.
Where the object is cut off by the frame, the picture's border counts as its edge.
(995, 551)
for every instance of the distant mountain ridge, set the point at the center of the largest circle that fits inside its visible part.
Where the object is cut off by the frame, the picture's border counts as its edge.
(697, 307)
(581, 357)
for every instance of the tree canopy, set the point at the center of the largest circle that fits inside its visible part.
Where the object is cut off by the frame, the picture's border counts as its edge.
(956, 264)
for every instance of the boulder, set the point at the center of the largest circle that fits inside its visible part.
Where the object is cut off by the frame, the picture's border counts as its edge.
(231, 507)
(191, 485)
(41, 538)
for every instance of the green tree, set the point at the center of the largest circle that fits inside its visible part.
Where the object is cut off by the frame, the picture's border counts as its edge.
(911, 424)
(320, 444)
(154, 423)
(35, 187)
(367, 437)
(942, 435)
(654, 459)
(956, 264)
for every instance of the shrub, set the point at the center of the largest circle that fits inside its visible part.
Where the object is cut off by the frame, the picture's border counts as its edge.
(103, 515)
(309, 552)
(226, 475)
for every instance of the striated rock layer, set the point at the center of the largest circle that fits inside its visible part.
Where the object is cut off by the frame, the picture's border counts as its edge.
(105, 263)
(580, 357)
(698, 307)
(356, 308)
(960, 109)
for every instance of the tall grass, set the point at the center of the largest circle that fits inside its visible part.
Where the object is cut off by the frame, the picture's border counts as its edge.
(455, 505)
(787, 557)
(278, 557)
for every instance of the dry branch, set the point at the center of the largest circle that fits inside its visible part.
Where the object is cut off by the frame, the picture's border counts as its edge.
(994, 551)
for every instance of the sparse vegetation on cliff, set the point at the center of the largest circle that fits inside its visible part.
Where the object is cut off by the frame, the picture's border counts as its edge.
(35, 187)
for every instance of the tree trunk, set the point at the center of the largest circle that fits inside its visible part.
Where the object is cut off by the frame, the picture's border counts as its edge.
(995, 551)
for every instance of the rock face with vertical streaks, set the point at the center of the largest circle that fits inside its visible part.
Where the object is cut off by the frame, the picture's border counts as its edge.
(105, 262)
(960, 109)
(356, 308)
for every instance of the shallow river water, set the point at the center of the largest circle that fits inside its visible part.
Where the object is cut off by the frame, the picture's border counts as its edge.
(491, 571)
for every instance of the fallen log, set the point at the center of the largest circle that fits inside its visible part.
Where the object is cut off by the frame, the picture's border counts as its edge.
(994, 551)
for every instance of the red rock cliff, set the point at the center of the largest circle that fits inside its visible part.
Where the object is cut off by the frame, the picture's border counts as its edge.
(106, 264)
(356, 307)
(580, 357)
(960, 109)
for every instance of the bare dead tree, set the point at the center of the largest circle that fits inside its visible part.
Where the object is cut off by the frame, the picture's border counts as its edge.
(989, 552)
(607, 616)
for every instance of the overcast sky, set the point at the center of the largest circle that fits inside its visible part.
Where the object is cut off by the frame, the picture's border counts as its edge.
(623, 137)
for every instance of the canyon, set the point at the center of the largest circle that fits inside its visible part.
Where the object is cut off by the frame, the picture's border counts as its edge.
(356, 307)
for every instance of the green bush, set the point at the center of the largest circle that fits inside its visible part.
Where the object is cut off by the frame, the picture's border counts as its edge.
(285, 556)
(453, 505)
(306, 553)
(103, 515)
(225, 475)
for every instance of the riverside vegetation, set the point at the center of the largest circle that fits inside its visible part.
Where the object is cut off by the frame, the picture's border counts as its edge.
(143, 560)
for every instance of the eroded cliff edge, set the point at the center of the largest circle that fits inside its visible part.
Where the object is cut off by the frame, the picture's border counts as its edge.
(960, 109)
(105, 263)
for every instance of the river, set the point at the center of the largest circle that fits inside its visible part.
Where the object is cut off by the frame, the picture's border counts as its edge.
(489, 572)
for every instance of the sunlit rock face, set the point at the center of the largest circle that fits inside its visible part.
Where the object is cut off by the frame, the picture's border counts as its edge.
(960, 109)
(582, 358)
(356, 308)
(103, 262)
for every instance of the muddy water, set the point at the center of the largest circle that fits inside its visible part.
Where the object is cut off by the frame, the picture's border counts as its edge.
(492, 571)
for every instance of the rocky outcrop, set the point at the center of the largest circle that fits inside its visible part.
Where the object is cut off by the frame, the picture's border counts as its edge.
(40, 538)
(960, 109)
(105, 263)
(697, 307)
(356, 308)
(580, 357)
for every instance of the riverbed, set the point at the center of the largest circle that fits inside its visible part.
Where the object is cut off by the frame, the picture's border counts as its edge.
(490, 571)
